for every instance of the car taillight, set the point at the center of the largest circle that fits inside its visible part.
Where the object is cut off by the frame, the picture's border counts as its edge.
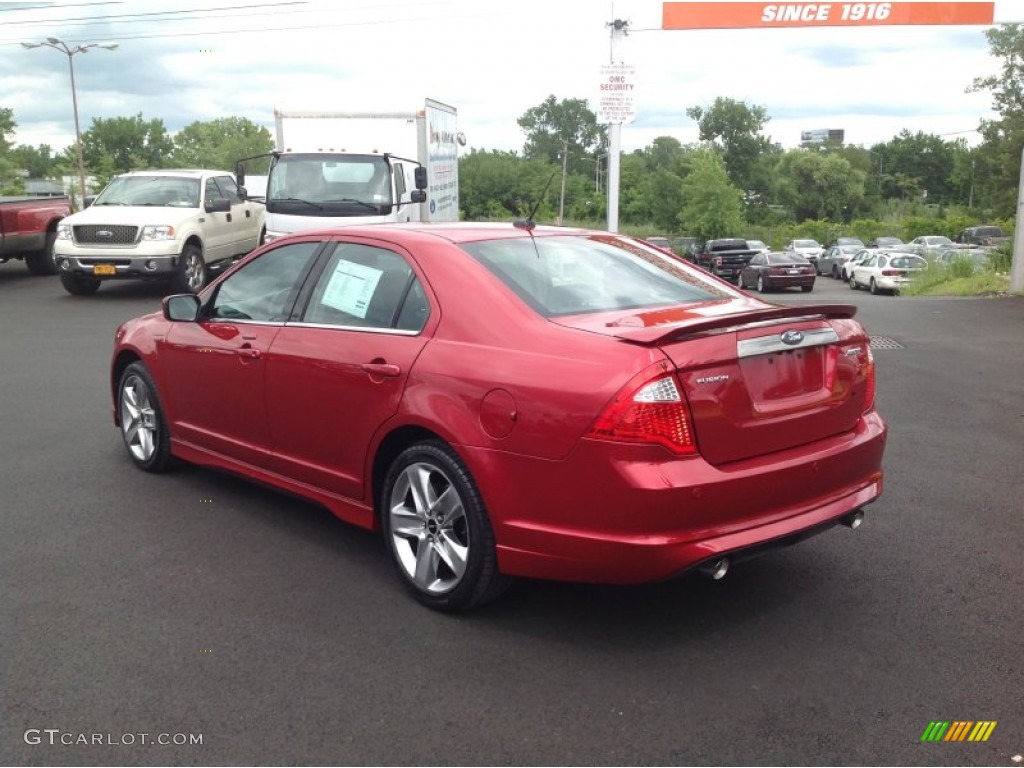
(893, 272)
(649, 409)
(869, 381)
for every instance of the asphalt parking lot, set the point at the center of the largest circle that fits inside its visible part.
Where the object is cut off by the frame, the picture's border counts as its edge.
(197, 604)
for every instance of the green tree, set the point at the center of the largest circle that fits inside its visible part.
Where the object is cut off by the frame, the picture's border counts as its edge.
(40, 162)
(10, 181)
(713, 206)
(818, 185)
(218, 144)
(121, 144)
(735, 129)
(553, 126)
(502, 185)
(999, 155)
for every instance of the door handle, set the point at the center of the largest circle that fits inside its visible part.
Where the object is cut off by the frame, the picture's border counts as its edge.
(247, 351)
(381, 369)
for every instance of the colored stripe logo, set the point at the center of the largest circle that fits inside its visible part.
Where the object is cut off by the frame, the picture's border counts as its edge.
(958, 730)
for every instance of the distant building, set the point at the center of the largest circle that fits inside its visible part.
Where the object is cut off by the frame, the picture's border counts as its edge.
(820, 135)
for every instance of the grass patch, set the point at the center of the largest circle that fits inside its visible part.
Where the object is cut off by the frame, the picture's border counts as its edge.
(941, 281)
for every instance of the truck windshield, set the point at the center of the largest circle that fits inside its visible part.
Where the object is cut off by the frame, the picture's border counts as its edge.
(323, 184)
(167, 191)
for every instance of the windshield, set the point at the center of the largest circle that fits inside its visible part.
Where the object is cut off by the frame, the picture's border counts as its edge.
(573, 275)
(321, 184)
(167, 191)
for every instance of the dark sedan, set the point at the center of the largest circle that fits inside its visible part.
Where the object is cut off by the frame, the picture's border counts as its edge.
(771, 271)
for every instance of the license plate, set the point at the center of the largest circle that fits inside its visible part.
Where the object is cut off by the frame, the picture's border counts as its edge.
(794, 271)
(104, 269)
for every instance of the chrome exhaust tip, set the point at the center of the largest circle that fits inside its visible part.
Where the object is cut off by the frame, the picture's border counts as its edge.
(854, 520)
(716, 569)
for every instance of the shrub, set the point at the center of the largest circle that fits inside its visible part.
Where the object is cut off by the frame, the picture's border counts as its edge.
(1000, 259)
(961, 266)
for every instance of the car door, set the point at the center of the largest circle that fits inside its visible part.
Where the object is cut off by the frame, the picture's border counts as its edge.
(861, 271)
(215, 367)
(337, 372)
(244, 231)
(217, 225)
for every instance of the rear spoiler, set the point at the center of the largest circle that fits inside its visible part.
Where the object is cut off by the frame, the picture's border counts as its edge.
(663, 334)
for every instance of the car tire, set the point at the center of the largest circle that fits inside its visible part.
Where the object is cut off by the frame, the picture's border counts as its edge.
(739, 282)
(143, 425)
(853, 282)
(835, 273)
(761, 288)
(79, 285)
(191, 274)
(42, 262)
(437, 530)
(873, 287)
(806, 288)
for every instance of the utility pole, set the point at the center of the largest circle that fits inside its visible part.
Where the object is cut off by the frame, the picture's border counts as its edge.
(1017, 270)
(561, 199)
(619, 29)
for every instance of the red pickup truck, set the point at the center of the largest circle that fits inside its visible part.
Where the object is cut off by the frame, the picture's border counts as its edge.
(28, 229)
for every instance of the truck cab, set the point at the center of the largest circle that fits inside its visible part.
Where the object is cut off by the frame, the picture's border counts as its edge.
(326, 189)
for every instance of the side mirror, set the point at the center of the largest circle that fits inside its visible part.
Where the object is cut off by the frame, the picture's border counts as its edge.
(418, 196)
(87, 201)
(240, 174)
(218, 205)
(182, 307)
(243, 192)
(420, 175)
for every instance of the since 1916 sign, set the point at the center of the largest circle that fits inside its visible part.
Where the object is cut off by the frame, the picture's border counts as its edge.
(740, 15)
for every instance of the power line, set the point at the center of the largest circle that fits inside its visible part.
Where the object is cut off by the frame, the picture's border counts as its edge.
(125, 17)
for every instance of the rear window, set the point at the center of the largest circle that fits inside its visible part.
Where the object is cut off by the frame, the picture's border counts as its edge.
(908, 262)
(581, 274)
(786, 258)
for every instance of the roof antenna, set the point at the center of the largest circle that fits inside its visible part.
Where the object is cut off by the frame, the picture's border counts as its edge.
(528, 223)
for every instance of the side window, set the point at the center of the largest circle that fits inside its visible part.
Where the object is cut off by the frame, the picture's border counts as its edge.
(399, 171)
(229, 189)
(367, 287)
(211, 191)
(265, 289)
(882, 261)
(758, 260)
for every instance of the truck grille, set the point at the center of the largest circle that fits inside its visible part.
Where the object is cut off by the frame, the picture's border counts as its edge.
(105, 234)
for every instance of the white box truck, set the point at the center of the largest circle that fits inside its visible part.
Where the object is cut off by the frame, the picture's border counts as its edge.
(341, 168)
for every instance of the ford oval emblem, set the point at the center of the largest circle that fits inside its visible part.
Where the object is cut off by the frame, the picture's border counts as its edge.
(792, 338)
(104, 233)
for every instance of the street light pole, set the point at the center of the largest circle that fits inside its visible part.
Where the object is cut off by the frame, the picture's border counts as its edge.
(60, 45)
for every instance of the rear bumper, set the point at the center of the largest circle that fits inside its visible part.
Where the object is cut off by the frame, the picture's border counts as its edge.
(789, 281)
(632, 514)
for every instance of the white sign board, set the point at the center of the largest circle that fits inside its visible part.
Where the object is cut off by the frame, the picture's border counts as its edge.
(615, 94)
(439, 143)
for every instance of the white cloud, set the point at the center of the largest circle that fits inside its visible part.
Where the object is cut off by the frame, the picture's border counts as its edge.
(492, 60)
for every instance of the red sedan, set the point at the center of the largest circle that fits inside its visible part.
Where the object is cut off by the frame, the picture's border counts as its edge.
(506, 401)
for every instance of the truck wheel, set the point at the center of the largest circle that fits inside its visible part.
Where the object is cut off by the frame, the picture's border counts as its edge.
(79, 285)
(761, 288)
(191, 274)
(143, 425)
(41, 262)
(739, 282)
(437, 529)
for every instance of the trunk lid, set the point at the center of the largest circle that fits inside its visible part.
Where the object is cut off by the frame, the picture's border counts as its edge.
(758, 378)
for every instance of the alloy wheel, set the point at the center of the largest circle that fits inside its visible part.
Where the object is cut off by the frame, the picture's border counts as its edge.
(429, 529)
(138, 419)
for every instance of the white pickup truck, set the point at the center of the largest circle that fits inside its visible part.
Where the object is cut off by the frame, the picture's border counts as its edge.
(159, 225)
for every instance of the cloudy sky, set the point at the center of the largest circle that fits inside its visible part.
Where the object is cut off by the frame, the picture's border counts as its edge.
(183, 61)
